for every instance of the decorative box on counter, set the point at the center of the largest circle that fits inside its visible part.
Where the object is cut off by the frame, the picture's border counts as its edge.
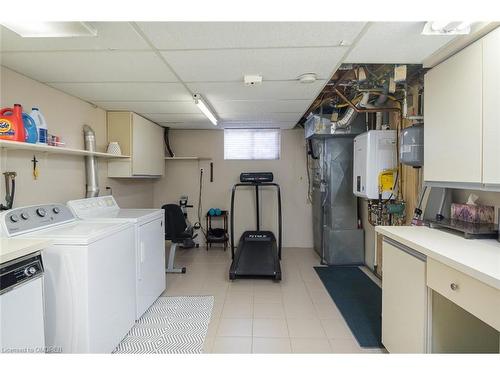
(473, 213)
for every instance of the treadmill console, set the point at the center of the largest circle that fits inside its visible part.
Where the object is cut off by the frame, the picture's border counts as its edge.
(256, 177)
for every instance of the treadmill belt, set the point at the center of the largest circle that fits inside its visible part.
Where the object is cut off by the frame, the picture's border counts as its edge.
(256, 259)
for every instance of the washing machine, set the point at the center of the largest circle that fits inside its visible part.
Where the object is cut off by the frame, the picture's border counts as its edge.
(89, 284)
(149, 242)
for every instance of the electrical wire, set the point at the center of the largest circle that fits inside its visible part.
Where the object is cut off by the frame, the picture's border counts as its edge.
(166, 140)
(309, 190)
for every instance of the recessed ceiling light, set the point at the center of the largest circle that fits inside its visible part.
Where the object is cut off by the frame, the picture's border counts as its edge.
(51, 29)
(446, 28)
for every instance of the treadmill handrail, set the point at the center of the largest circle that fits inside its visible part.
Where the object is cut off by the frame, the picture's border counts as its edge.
(256, 184)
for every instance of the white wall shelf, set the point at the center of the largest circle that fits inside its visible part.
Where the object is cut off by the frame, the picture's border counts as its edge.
(12, 145)
(187, 158)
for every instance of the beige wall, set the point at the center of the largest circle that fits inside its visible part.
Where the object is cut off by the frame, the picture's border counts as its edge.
(62, 177)
(182, 177)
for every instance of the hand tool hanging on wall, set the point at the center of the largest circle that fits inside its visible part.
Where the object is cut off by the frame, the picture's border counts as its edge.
(35, 167)
(10, 190)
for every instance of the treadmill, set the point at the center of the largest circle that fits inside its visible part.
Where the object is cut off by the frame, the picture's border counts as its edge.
(258, 254)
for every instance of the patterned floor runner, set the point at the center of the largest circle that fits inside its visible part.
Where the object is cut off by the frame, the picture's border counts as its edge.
(172, 325)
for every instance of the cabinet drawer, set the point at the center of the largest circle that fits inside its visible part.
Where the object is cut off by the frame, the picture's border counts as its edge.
(481, 300)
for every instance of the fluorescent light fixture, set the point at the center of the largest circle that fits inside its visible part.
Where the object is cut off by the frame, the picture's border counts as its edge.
(446, 28)
(205, 108)
(51, 29)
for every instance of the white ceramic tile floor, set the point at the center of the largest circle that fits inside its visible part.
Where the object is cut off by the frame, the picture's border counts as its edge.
(262, 316)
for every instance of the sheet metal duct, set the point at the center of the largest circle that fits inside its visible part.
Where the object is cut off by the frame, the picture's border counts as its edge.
(317, 125)
(92, 180)
(337, 238)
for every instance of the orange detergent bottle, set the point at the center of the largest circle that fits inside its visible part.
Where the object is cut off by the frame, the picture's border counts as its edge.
(11, 124)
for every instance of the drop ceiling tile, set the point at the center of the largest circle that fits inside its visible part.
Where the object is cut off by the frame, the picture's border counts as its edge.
(151, 107)
(207, 125)
(272, 64)
(176, 117)
(89, 66)
(259, 124)
(396, 42)
(251, 106)
(274, 90)
(261, 116)
(110, 36)
(203, 35)
(125, 91)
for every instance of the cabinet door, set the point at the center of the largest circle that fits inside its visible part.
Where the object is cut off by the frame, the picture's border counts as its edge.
(148, 157)
(150, 264)
(491, 108)
(404, 301)
(453, 118)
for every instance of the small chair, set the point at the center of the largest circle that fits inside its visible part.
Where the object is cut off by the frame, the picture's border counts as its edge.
(176, 231)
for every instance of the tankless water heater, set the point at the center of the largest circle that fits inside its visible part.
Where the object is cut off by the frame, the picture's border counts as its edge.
(374, 152)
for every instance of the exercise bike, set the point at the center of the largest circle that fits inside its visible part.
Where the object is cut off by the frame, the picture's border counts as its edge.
(179, 231)
(188, 243)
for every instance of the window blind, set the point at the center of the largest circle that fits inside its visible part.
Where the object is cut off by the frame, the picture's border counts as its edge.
(252, 144)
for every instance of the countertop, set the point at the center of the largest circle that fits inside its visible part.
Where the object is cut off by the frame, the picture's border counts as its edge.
(478, 258)
(16, 248)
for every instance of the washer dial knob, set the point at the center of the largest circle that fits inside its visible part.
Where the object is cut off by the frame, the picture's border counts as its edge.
(14, 218)
(30, 271)
(56, 210)
(41, 212)
(25, 216)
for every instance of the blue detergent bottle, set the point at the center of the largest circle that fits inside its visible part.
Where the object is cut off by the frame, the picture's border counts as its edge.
(30, 129)
(41, 125)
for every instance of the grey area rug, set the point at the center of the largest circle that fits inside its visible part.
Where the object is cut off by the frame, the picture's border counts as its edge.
(172, 325)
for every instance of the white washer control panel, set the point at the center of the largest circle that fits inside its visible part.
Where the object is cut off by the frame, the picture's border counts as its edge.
(25, 219)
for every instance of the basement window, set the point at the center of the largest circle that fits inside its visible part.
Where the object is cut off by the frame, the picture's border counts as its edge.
(252, 144)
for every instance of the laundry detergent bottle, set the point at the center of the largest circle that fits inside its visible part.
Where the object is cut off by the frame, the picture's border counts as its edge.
(41, 125)
(30, 128)
(11, 124)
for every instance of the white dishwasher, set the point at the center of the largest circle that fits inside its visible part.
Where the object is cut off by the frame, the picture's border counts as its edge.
(404, 299)
(21, 305)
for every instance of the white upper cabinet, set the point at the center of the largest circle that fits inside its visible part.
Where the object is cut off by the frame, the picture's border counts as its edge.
(139, 138)
(462, 116)
(491, 108)
(453, 118)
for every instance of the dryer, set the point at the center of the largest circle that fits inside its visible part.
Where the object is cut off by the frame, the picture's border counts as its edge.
(89, 276)
(149, 242)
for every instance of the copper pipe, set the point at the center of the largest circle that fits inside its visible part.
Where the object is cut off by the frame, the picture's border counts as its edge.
(314, 106)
